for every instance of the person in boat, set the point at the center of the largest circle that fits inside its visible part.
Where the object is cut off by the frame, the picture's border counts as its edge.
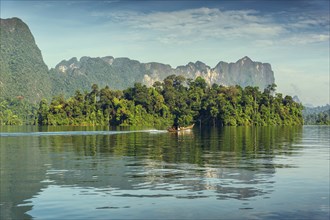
(176, 125)
(177, 128)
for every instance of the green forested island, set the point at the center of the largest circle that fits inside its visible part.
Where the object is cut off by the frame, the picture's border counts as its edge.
(29, 90)
(176, 100)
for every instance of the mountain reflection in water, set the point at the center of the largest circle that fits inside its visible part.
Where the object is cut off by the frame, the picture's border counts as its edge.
(208, 163)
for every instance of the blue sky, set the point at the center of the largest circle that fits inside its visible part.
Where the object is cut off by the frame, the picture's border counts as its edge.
(291, 35)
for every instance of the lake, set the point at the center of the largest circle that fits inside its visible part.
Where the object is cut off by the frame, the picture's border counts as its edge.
(142, 173)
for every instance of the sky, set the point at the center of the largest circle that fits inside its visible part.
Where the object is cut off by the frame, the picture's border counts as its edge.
(291, 35)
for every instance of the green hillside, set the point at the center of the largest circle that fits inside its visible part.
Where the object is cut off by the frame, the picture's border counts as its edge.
(23, 72)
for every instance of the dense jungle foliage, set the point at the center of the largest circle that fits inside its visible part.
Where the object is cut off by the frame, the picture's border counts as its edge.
(175, 101)
(17, 111)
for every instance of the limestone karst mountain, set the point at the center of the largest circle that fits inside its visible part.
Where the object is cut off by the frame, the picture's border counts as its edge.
(24, 74)
(120, 73)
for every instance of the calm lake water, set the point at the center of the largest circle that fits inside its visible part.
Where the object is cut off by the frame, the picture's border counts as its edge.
(134, 173)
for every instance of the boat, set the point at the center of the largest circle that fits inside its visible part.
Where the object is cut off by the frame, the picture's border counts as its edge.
(174, 129)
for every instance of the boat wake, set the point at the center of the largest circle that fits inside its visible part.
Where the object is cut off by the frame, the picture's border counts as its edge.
(77, 133)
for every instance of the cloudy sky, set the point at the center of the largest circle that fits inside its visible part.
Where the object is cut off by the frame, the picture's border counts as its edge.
(291, 35)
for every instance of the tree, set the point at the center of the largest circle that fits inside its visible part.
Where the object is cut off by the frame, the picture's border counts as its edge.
(43, 112)
(174, 101)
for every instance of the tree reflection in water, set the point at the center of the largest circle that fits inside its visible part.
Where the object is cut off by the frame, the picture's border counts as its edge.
(226, 163)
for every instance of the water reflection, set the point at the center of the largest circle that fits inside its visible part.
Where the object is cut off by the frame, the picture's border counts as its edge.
(227, 163)
(22, 169)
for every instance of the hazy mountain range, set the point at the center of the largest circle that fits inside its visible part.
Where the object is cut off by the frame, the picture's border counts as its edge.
(23, 72)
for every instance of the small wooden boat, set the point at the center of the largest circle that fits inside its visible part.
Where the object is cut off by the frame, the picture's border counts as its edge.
(173, 129)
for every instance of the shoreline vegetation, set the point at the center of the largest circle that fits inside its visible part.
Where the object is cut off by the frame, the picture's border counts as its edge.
(175, 101)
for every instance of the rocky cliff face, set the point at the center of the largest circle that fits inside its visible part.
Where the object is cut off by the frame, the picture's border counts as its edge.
(120, 73)
(23, 72)
(71, 75)
(244, 72)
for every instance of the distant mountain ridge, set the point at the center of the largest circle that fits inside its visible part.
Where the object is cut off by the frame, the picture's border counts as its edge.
(244, 72)
(317, 115)
(23, 72)
(119, 73)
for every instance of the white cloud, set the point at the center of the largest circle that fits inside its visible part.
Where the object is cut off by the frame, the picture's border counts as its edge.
(305, 38)
(193, 25)
(309, 21)
(198, 24)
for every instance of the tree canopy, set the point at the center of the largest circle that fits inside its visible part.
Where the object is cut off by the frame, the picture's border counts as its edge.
(174, 101)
